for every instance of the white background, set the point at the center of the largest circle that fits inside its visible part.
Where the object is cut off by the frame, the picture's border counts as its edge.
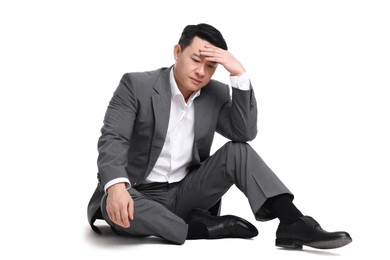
(320, 71)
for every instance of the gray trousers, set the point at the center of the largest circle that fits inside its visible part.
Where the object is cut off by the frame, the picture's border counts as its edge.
(160, 212)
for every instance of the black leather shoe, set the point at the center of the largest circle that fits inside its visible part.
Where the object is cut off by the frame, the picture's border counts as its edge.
(227, 226)
(306, 231)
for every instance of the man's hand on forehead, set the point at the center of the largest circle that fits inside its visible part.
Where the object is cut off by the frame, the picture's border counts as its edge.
(223, 57)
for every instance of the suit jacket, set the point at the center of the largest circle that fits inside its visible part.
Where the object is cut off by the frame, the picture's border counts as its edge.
(136, 123)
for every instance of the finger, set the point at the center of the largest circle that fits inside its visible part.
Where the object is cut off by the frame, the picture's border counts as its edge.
(125, 219)
(208, 51)
(214, 59)
(130, 209)
(210, 55)
(205, 53)
(211, 47)
(110, 214)
(113, 217)
(118, 220)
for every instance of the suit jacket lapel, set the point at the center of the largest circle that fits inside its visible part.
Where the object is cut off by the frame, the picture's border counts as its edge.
(202, 105)
(161, 109)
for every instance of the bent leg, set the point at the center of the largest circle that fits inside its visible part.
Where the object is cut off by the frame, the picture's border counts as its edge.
(234, 163)
(150, 219)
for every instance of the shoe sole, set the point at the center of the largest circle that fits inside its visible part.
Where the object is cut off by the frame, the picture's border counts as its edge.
(327, 244)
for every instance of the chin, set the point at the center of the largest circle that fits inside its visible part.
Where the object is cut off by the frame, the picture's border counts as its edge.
(193, 87)
(196, 89)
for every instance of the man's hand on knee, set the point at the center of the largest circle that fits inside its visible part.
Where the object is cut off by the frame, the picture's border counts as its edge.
(120, 205)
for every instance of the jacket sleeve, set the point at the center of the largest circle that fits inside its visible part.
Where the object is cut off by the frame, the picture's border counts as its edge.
(116, 132)
(237, 119)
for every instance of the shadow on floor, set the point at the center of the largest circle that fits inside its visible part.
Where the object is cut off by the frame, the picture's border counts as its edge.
(110, 239)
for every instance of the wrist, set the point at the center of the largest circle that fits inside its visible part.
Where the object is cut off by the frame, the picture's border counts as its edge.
(238, 73)
(116, 186)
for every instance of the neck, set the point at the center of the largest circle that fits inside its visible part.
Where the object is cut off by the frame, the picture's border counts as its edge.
(186, 93)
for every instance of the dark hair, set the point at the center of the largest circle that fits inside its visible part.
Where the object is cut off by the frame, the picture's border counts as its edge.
(205, 32)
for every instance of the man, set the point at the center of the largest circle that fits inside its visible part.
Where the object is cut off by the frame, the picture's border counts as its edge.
(156, 175)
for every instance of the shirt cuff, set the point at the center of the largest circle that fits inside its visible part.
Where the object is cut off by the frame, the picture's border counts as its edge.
(115, 181)
(241, 82)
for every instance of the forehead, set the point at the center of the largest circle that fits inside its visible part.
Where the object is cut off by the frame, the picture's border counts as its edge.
(196, 44)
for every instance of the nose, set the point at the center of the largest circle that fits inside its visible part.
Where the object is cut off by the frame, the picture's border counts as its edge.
(200, 70)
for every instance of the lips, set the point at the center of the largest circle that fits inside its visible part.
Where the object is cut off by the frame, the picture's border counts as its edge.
(196, 81)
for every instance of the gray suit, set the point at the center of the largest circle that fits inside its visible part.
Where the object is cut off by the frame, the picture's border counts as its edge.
(133, 135)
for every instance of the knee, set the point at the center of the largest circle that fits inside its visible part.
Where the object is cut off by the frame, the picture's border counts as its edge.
(240, 149)
(237, 146)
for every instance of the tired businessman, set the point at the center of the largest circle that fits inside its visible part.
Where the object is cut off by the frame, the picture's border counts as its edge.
(156, 175)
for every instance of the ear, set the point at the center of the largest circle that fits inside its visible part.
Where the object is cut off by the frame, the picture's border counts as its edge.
(176, 51)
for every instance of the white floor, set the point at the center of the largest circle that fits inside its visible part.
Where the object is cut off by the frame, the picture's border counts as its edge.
(257, 248)
(69, 237)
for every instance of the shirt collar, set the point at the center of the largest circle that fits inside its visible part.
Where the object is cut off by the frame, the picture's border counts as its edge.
(175, 89)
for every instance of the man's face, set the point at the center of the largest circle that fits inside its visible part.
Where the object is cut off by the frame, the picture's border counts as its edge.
(192, 72)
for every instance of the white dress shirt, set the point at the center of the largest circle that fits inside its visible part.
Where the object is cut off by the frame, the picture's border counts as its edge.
(176, 154)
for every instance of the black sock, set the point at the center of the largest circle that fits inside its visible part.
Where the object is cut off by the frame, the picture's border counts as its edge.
(196, 230)
(283, 208)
